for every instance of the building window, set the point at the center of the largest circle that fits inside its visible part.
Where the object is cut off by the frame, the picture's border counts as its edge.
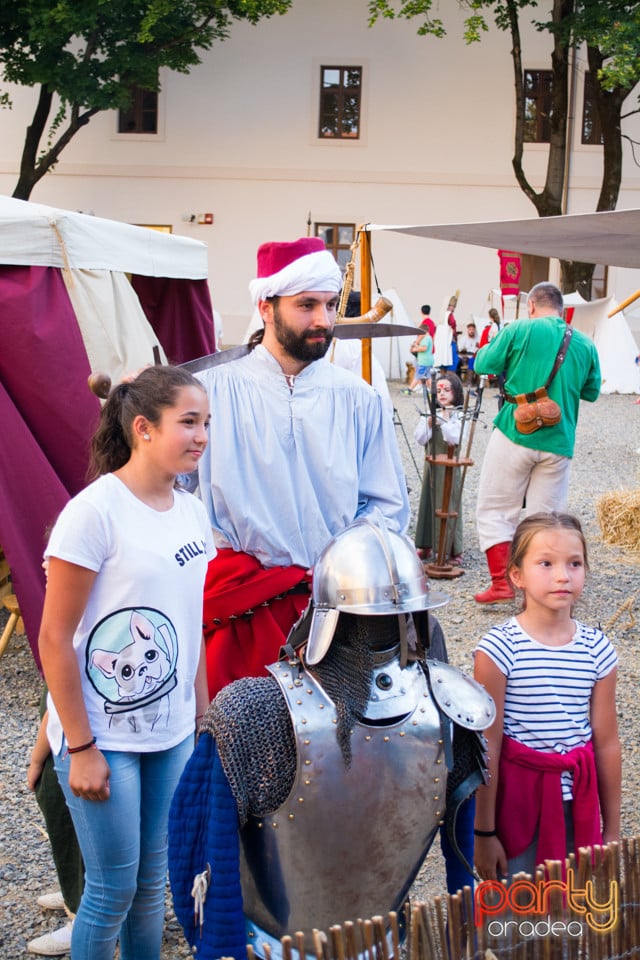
(591, 129)
(142, 114)
(340, 98)
(538, 86)
(338, 238)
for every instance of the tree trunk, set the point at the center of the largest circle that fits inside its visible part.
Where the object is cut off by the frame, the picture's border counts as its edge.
(577, 276)
(28, 179)
(548, 202)
(33, 169)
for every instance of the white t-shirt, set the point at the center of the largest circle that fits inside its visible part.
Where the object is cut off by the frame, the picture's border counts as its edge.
(138, 642)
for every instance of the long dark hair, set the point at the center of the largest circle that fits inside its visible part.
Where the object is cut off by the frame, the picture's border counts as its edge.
(152, 391)
(456, 386)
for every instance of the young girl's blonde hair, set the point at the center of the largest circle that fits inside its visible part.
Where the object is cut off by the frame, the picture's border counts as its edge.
(539, 523)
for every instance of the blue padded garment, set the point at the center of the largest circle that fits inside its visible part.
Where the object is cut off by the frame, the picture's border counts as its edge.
(203, 829)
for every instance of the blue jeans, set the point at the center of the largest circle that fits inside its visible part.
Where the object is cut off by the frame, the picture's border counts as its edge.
(124, 846)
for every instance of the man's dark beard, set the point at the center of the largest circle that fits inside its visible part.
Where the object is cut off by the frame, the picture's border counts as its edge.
(300, 346)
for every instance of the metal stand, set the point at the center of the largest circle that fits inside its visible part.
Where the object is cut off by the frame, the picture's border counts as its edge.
(397, 422)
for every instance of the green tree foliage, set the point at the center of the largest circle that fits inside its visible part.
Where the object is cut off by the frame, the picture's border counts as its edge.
(85, 55)
(610, 31)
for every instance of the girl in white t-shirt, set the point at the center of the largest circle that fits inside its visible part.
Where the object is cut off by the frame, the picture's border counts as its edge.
(554, 748)
(122, 652)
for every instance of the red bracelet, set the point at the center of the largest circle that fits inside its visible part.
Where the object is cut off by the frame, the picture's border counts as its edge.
(85, 746)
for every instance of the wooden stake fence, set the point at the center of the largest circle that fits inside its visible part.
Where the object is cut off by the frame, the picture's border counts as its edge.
(597, 918)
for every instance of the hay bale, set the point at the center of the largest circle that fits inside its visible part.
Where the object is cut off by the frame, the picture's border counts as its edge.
(618, 514)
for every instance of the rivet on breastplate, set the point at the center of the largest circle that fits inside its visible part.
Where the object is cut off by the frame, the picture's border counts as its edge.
(439, 680)
(298, 683)
(307, 783)
(368, 737)
(439, 761)
(436, 779)
(291, 816)
(414, 723)
(307, 742)
(402, 733)
(301, 799)
(447, 703)
(386, 739)
(304, 719)
(309, 692)
(290, 686)
(421, 709)
(274, 824)
(441, 824)
(334, 720)
(298, 702)
(251, 934)
(436, 799)
(307, 763)
(260, 824)
(440, 742)
(321, 706)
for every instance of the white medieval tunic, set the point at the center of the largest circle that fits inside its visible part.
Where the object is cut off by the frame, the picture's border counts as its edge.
(286, 468)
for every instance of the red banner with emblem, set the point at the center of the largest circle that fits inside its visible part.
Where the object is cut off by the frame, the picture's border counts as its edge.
(509, 272)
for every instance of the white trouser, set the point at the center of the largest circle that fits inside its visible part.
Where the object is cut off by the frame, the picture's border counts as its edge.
(509, 474)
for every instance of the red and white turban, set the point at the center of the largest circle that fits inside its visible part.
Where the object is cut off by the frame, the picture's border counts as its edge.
(285, 269)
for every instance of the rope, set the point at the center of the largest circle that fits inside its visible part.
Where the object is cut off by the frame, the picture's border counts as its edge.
(199, 893)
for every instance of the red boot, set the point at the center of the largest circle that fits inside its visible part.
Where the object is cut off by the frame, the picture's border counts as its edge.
(500, 590)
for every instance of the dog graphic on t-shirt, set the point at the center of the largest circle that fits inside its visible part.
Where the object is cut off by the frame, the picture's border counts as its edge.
(139, 669)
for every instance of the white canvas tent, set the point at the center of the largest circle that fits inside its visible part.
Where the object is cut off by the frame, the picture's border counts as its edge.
(67, 308)
(614, 341)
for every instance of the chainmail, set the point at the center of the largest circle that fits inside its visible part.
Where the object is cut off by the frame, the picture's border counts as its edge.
(250, 723)
(469, 772)
(346, 671)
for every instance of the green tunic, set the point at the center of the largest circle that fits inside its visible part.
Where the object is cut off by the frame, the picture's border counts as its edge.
(525, 351)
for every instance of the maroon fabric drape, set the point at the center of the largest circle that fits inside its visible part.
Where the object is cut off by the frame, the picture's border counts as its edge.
(181, 314)
(47, 416)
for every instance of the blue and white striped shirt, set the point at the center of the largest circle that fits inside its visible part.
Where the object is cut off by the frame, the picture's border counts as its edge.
(548, 692)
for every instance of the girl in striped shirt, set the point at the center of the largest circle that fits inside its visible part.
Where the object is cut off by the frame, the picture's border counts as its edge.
(554, 748)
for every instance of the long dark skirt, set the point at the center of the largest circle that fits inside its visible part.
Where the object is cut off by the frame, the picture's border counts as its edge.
(426, 538)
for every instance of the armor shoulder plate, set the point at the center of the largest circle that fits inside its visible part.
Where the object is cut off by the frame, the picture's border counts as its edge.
(461, 698)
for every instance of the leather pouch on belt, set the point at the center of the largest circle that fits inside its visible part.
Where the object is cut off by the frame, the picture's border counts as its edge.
(535, 410)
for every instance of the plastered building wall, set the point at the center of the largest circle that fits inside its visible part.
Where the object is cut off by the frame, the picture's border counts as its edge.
(238, 138)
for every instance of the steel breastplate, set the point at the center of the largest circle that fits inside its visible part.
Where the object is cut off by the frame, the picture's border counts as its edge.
(348, 842)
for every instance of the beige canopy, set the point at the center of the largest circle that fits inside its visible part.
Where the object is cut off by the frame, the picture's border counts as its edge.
(611, 237)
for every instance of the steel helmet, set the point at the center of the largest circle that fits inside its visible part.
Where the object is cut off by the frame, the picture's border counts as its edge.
(368, 570)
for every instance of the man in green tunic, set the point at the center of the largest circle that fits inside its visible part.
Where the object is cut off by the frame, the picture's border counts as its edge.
(531, 468)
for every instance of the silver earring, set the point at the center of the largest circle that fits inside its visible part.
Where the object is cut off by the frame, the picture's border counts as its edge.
(145, 436)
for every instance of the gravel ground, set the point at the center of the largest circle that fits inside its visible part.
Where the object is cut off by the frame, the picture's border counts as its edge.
(607, 457)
